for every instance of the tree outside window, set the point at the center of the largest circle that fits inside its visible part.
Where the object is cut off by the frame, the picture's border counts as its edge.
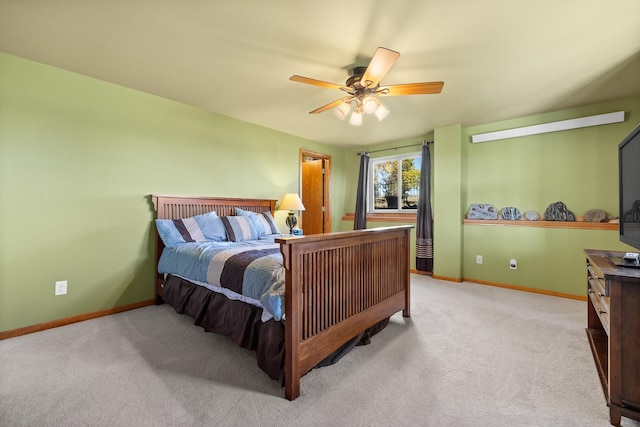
(393, 190)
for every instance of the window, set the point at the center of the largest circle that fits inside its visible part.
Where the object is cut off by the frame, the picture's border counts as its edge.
(394, 183)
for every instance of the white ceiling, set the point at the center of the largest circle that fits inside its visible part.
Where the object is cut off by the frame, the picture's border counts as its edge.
(499, 59)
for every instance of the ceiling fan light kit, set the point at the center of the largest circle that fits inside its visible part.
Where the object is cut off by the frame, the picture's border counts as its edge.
(364, 88)
(369, 105)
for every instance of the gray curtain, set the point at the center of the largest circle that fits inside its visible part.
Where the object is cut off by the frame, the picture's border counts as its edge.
(424, 218)
(360, 222)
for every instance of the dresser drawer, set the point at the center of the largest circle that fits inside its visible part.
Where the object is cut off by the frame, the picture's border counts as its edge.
(598, 289)
(599, 286)
(601, 306)
(596, 280)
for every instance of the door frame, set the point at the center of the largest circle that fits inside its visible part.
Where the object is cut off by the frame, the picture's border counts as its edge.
(326, 184)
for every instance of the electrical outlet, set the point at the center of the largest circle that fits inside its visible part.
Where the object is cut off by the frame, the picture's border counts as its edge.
(61, 288)
(478, 259)
(513, 264)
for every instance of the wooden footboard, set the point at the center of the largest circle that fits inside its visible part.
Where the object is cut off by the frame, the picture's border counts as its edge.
(338, 285)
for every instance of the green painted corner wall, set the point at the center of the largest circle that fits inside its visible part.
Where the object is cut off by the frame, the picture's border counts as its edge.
(578, 167)
(78, 159)
(447, 187)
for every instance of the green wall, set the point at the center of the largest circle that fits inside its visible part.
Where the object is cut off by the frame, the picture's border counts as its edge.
(78, 159)
(578, 167)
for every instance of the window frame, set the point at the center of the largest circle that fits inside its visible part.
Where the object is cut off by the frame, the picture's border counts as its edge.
(371, 209)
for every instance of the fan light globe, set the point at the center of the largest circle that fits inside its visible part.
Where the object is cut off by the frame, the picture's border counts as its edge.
(381, 112)
(356, 118)
(370, 105)
(342, 110)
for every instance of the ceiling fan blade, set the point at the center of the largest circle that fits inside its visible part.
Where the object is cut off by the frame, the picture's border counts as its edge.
(380, 64)
(331, 105)
(412, 89)
(315, 82)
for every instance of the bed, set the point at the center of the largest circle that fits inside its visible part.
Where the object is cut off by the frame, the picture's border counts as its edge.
(338, 288)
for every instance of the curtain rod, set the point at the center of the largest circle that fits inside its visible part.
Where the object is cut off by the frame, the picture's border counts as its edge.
(425, 142)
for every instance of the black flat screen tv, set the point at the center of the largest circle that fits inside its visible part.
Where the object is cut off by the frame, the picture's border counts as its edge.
(629, 171)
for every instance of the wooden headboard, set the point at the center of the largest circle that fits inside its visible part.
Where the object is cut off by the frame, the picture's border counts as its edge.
(177, 207)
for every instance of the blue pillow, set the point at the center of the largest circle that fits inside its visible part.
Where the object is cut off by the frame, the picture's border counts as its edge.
(176, 231)
(239, 228)
(252, 217)
(263, 221)
(211, 226)
(270, 226)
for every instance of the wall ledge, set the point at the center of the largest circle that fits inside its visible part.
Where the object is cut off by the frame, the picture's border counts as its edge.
(384, 217)
(545, 224)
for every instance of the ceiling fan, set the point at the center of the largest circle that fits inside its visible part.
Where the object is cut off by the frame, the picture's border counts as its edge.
(364, 88)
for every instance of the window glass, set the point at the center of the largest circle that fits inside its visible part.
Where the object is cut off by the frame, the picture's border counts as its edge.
(395, 182)
(410, 182)
(385, 184)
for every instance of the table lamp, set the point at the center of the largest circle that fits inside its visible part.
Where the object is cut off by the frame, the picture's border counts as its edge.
(291, 202)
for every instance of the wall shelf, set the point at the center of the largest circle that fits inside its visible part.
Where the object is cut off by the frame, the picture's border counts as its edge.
(402, 217)
(411, 217)
(544, 224)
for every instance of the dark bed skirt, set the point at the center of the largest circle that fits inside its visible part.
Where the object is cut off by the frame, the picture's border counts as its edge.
(241, 322)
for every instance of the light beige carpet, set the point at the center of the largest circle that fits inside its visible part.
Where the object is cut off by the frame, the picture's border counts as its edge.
(471, 355)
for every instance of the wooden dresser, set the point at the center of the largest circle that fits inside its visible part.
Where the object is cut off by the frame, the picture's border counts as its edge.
(613, 328)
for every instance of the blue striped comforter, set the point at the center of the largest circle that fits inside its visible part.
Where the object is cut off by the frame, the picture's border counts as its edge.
(250, 271)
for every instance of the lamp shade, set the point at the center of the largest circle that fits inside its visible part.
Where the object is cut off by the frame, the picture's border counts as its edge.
(291, 202)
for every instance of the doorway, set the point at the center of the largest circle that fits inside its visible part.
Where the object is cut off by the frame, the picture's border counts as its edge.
(315, 178)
